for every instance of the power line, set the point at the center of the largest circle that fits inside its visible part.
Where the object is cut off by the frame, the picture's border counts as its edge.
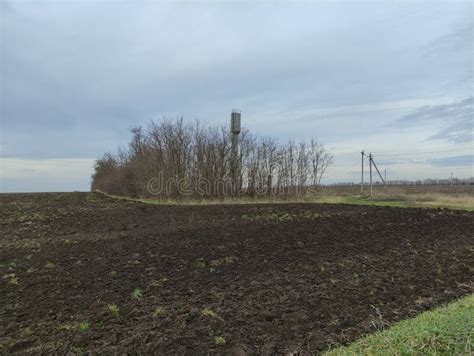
(384, 179)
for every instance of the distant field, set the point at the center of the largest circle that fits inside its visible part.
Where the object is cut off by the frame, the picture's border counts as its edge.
(455, 197)
(455, 190)
(85, 272)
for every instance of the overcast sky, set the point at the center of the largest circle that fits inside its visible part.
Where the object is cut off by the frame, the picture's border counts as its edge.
(393, 78)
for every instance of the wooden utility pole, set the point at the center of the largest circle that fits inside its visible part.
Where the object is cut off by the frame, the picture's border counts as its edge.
(362, 175)
(370, 162)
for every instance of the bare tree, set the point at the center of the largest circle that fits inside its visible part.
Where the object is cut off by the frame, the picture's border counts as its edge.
(174, 154)
(320, 159)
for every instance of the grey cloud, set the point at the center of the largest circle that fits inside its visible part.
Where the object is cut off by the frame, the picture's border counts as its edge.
(464, 160)
(389, 162)
(454, 111)
(455, 119)
(459, 132)
(6, 6)
(460, 39)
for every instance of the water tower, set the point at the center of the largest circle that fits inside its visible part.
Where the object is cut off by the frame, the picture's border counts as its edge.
(235, 129)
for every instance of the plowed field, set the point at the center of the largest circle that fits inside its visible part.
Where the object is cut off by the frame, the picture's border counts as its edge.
(83, 272)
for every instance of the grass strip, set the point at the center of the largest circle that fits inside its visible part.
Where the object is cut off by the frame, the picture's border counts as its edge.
(448, 330)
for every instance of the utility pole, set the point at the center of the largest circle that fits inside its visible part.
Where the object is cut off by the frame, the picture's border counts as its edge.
(370, 162)
(362, 176)
(451, 179)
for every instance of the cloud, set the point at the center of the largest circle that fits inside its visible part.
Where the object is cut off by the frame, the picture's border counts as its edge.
(459, 39)
(459, 132)
(6, 6)
(455, 161)
(388, 162)
(453, 111)
(455, 119)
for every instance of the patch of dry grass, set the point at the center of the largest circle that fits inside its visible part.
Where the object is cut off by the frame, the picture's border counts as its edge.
(458, 201)
(434, 199)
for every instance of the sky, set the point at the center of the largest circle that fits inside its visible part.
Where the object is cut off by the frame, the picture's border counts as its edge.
(392, 78)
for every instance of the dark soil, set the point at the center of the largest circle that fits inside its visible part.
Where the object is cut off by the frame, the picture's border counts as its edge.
(265, 278)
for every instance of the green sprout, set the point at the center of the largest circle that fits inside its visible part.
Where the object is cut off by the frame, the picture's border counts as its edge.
(114, 310)
(219, 340)
(137, 294)
(77, 350)
(230, 259)
(211, 313)
(159, 311)
(13, 280)
(84, 326)
(200, 263)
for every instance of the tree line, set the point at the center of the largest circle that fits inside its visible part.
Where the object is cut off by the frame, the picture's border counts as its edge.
(172, 159)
